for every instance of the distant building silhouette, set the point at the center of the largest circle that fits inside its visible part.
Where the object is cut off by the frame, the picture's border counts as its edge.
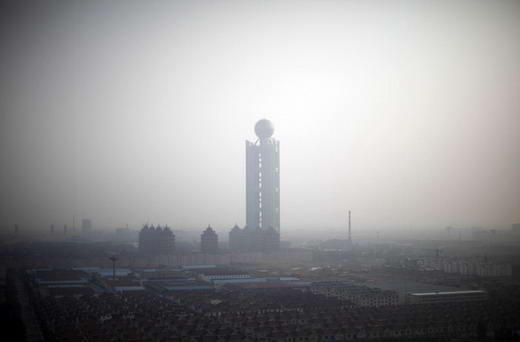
(349, 242)
(263, 178)
(262, 231)
(270, 240)
(254, 240)
(86, 226)
(236, 239)
(125, 234)
(156, 241)
(209, 241)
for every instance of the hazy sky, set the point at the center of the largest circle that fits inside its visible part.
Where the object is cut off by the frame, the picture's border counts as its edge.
(406, 112)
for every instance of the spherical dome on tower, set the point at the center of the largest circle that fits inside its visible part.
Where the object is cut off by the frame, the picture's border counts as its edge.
(264, 129)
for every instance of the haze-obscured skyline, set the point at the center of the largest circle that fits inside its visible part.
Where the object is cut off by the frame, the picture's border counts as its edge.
(408, 113)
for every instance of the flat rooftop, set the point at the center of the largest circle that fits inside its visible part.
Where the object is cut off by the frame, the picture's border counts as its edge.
(448, 293)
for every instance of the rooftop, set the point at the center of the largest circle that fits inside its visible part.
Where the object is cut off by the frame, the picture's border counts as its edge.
(448, 293)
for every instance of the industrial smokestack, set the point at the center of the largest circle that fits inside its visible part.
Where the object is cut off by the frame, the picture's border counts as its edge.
(349, 230)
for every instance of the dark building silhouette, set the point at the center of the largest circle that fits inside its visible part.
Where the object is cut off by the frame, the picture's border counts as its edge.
(156, 241)
(254, 240)
(262, 230)
(209, 241)
(270, 240)
(236, 239)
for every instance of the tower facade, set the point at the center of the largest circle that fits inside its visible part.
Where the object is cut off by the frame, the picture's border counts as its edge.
(263, 179)
(156, 241)
(209, 241)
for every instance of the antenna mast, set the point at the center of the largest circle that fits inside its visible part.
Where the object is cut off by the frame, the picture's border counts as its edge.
(349, 230)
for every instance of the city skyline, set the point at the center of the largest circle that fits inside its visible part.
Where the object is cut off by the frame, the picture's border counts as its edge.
(260, 170)
(128, 114)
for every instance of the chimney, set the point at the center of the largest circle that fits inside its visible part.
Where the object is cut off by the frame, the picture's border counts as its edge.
(349, 230)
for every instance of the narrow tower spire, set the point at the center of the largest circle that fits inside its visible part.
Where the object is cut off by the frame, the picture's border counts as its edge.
(349, 230)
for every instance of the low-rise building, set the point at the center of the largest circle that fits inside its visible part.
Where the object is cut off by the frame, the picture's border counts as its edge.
(358, 295)
(218, 273)
(446, 297)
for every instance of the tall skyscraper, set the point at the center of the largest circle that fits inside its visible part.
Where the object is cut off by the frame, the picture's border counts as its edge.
(263, 179)
(262, 230)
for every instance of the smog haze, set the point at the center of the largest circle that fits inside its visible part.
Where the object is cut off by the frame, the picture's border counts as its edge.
(129, 112)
